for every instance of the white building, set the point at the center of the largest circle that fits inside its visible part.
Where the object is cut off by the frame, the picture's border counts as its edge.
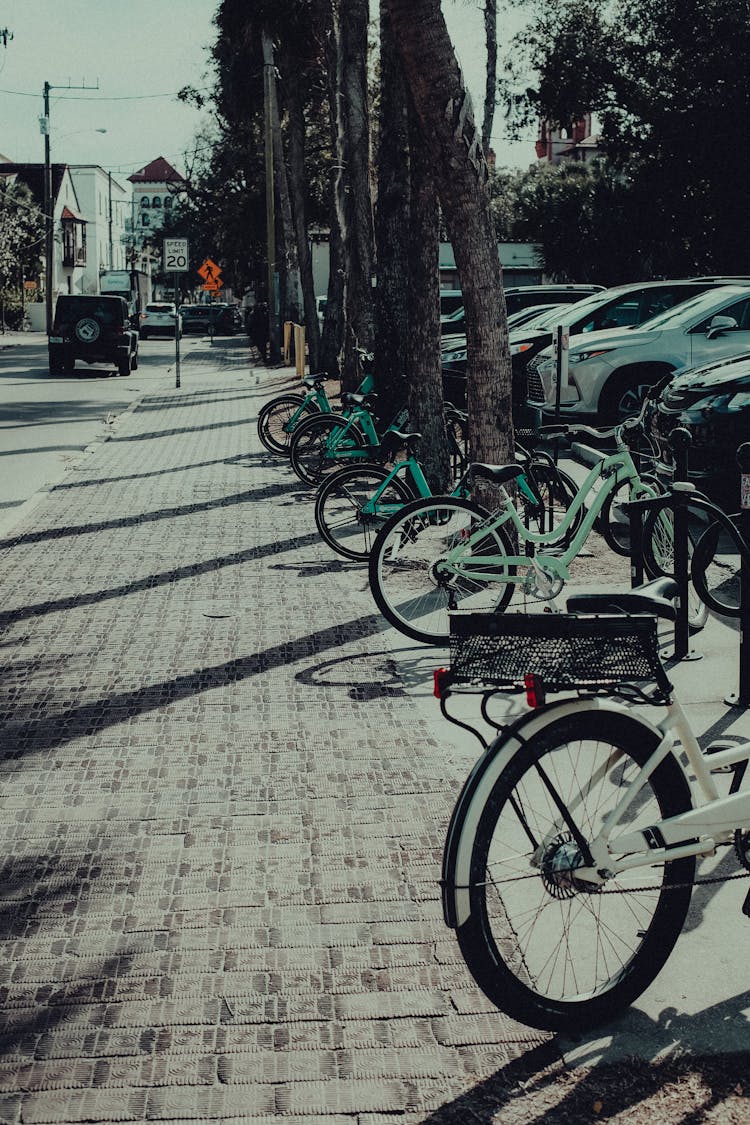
(155, 188)
(105, 205)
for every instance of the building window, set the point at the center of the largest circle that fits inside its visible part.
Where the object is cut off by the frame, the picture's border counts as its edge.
(145, 220)
(156, 201)
(167, 202)
(145, 201)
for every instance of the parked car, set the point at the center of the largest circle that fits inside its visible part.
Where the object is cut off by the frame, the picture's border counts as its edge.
(159, 318)
(450, 300)
(521, 296)
(713, 403)
(95, 329)
(609, 371)
(223, 319)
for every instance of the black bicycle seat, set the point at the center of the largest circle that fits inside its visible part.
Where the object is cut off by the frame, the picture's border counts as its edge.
(655, 597)
(499, 474)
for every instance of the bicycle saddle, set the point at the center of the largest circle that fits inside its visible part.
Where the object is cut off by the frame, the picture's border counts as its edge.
(655, 597)
(349, 397)
(312, 380)
(499, 474)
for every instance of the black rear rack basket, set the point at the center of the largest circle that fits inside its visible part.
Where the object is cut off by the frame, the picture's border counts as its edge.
(565, 650)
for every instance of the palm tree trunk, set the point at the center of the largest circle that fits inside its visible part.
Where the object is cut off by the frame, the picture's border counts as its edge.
(454, 145)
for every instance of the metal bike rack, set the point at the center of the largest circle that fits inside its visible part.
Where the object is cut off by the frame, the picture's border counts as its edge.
(680, 442)
(741, 698)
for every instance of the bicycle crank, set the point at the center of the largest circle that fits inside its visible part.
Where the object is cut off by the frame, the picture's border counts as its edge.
(541, 583)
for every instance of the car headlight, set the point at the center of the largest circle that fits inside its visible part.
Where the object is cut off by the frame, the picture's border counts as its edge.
(740, 400)
(579, 357)
(519, 349)
(454, 357)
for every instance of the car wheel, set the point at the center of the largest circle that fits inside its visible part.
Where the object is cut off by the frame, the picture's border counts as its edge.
(123, 366)
(143, 335)
(134, 361)
(624, 393)
(69, 366)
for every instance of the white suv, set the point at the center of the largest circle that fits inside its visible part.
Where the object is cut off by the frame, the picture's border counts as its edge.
(609, 371)
(160, 318)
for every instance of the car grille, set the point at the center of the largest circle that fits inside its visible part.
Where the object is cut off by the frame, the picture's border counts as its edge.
(534, 384)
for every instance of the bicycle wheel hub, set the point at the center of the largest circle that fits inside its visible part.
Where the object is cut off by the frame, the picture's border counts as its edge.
(558, 865)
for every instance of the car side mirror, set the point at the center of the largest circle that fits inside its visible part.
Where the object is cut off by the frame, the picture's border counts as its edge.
(719, 325)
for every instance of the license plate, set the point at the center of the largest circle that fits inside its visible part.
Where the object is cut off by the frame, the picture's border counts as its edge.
(56, 340)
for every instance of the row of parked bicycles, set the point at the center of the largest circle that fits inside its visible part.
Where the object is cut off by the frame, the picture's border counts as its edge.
(571, 853)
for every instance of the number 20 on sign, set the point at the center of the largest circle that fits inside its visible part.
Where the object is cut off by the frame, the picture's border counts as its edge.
(176, 255)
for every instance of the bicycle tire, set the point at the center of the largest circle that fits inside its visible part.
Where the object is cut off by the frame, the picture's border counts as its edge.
(275, 415)
(404, 570)
(545, 950)
(715, 573)
(308, 456)
(658, 559)
(457, 432)
(338, 508)
(557, 491)
(614, 523)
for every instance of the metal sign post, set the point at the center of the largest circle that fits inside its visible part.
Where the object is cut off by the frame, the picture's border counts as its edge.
(176, 259)
(560, 349)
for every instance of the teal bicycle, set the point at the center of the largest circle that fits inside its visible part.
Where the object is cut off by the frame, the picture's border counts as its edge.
(279, 418)
(320, 444)
(353, 503)
(445, 553)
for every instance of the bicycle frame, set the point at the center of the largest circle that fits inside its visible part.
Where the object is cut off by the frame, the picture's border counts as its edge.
(318, 397)
(335, 447)
(612, 470)
(696, 832)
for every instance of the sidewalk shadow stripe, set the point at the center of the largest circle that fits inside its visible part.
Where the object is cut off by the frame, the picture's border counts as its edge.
(250, 495)
(238, 459)
(46, 733)
(177, 430)
(153, 581)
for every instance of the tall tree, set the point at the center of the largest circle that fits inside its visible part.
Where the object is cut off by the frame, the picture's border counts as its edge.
(353, 196)
(392, 222)
(490, 86)
(454, 146)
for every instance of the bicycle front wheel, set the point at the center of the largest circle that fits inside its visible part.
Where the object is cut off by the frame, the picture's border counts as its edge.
(318, 442)
(413, 583)
(343, 522)
(715, 571)
(614, 519)
(658, 557)
(556, 494)
(277, 418)
(553, 951)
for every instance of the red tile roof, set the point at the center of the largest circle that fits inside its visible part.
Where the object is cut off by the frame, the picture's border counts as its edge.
(159, 171)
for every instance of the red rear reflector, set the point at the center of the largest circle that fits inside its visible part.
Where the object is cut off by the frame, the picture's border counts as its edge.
(535, 694)
(441, 679)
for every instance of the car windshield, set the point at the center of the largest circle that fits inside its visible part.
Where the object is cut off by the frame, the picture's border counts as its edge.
(686, 310)
(159, 308)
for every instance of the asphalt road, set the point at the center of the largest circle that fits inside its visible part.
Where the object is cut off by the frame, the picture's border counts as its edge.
(47, 421)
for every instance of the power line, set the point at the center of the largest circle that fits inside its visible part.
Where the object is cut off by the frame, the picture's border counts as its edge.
(103, 98)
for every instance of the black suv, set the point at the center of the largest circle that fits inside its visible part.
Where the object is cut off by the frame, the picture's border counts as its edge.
(713, 403)
(94, 329)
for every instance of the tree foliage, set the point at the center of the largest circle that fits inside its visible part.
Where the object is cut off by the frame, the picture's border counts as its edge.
(21, 232)
(668, 84)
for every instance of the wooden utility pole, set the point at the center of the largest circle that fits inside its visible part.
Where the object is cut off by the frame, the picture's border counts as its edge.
(269, 102)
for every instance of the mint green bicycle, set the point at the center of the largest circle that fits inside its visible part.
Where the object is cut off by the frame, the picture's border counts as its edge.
(446, 553)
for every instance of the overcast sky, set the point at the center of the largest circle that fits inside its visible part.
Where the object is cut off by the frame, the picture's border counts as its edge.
(140, 53)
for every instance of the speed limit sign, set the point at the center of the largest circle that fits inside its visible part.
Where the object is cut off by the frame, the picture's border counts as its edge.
(175, 255)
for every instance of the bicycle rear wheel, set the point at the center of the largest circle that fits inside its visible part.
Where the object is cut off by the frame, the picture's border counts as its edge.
(275, 418)
(550, 950)
(317, 444)
(715, 571)
(339, 514)
(413, 588)
(658, 557)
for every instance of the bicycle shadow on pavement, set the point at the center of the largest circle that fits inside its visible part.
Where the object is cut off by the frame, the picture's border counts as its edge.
(661, 1060)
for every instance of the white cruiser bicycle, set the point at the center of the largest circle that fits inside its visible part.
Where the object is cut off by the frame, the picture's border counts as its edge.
(571, 852)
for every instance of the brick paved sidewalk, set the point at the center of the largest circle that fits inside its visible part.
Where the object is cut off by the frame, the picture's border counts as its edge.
(223, 814)
(224, 811)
